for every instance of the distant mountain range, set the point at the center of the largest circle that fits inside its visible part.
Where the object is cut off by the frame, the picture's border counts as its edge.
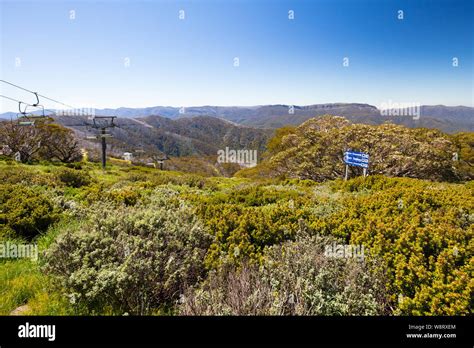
(446, 118)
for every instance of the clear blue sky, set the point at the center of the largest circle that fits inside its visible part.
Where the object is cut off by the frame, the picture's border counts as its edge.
(188, 62)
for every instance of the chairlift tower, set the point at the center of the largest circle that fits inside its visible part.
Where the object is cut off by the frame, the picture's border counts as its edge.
(161, 160)
(102, 123)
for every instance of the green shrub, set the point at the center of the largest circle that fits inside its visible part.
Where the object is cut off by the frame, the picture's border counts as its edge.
(126, 196)
(126, 193)
(246, 218)
(24, 212)
(244, 232)
(73, 177)
(92, 193)
(137, 177)
(130, 259)
(74, 165)
(26, 175)
(422, 231)
(296, 278)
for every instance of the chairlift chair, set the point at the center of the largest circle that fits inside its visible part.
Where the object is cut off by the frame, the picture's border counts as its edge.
(26, 117)
(109, 121)
(26, 123)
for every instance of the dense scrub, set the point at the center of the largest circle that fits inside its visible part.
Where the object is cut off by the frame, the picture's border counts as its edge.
(25, 212)
(424, 234)
(140, 241)
(130, 259)
(296, 278)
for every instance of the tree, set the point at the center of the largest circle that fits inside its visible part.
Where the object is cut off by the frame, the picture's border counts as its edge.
(274, 144)
(25, 140)
(315, 150)
(465, 154)
(59, 143)
(44, 140)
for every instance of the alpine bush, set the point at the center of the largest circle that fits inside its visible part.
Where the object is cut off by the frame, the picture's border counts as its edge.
(130, 259)
(24, 212)
(296, 278)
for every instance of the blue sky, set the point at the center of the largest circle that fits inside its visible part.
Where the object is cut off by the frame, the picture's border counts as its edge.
(82, 61)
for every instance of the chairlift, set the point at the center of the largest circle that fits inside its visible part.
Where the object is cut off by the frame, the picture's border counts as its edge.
(26, 116)
(161, 160)
(26, 123)
(109, 121)
(37, 99)
(99, 136)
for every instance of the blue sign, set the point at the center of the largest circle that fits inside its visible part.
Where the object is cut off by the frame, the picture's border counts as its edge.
(358, 159)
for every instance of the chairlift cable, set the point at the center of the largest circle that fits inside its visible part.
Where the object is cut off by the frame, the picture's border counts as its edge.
(21, 102)
(25, 103)
(12, 99)
(37, 94)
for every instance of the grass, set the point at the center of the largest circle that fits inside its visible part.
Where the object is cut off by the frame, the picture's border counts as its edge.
(20, 281)
(23, 283)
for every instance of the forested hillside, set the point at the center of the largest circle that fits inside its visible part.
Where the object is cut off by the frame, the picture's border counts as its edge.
(198, 136)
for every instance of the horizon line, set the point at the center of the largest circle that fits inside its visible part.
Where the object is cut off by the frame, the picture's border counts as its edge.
(251, 106)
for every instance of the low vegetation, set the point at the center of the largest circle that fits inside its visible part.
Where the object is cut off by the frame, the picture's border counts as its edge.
(137, 240)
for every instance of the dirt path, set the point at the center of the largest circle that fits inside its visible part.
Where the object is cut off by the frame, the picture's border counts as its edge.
(20, 310)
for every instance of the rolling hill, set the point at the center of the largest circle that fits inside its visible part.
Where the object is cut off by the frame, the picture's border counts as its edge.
(197, 136)
(449, 119)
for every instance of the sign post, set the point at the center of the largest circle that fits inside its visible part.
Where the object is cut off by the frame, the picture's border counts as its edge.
(356, 159)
